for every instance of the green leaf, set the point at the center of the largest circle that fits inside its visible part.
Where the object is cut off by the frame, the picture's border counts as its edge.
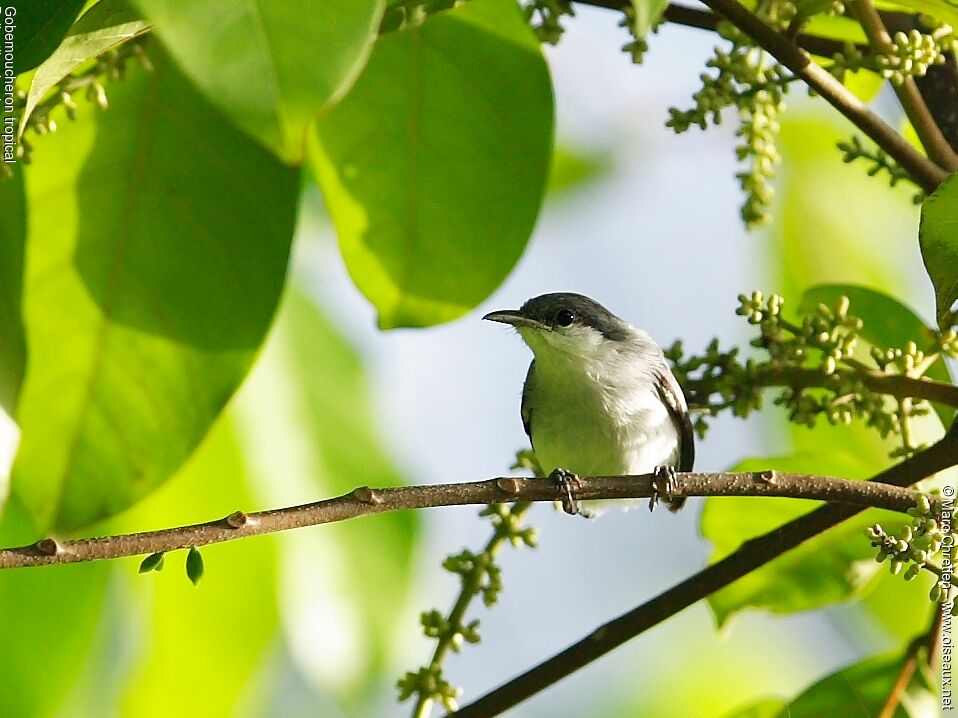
(161, 241)
(647, 13)
(153, 562)
(938, 237)
(310, 403)
(858, 690)
(766, 708)
(228, 630)
(106, 25)
(270, 66)
(51, 617)
(40, 26)
(834, 566)
(817, 240)
(887, 323)
(194, 565)
(572, 169)
(13, 233)
(944, 10)
(434, 166)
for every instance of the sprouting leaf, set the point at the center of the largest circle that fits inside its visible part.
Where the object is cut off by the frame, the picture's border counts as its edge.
(938, 237)
(229, 629)
(309, 401)
(153, 562)
(194, 565)
(434, 166)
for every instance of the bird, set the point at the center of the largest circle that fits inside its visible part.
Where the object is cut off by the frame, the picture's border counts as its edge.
(599, 398)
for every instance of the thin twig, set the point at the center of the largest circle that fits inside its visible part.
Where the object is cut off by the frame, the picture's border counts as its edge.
(364, 501)
(705, 20)
(899, 386)
(750, 556)
(926, 173)
(468, 591)
(911, 100)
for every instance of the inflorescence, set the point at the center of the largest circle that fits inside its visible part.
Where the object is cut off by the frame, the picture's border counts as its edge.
(812, 365)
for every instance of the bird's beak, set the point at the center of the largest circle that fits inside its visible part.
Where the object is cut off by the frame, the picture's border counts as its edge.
(511, 316)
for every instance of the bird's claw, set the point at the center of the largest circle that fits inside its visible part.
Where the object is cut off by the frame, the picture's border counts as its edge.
(663, 484)
(566, 484)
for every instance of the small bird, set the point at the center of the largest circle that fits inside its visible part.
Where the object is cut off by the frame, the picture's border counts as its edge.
(599, 398)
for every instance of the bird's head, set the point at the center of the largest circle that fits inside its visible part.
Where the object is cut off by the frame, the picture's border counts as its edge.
(566, 326)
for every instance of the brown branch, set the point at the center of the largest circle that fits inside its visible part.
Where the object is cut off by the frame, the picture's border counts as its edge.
(364, 501)
(750, 556)
(899, 386)
(911, 100)
(704, 20)
(926, 173)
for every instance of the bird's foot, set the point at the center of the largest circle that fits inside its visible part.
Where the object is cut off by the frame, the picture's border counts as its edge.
(663, 484)
(567, 484)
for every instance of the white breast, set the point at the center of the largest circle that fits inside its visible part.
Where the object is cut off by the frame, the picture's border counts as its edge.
(600, 417)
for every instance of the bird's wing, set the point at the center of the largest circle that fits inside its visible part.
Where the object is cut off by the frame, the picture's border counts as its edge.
(671, 394)
(526, 410)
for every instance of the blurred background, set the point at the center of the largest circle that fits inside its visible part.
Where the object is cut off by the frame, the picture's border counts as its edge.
(322, 621)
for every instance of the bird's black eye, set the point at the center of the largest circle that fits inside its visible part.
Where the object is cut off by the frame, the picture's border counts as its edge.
(565, 317)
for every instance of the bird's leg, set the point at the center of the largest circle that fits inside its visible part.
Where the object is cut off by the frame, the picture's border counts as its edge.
(663, 484)
(566, 484)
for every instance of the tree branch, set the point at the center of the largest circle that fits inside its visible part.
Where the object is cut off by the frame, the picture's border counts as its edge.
(899, 386)
(704, 20)
(926, 173)
(752, 555)
(911, 100)
(364, 501)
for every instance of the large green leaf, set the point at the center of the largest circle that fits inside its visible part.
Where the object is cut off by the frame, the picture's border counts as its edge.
(434, 166)
(820, 238)
(159, 242)
(887, 323)
(104, 26)
(938, 236)
(271, 66)
(40, 26)
(51, 616)
(227, 626)
(858, 690)
(834, 566)
(13, 233)
(308, 405)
